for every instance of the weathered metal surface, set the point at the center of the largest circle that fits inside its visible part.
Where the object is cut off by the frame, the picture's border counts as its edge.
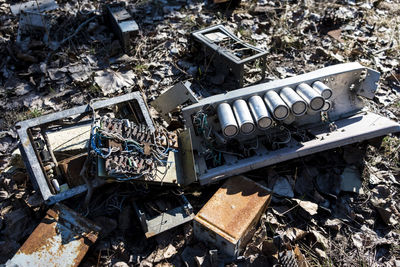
(229, 215)
(224, 57)
(31, 160)
(173, 97)
(348, 82)
(34, 6)
(122, 22)
(71, 168)
(70, 139)
(172, 211)
(61, 239)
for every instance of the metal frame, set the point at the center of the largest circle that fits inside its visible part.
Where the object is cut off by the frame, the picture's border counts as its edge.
(227, 58)
(348, 82)
(166, 220)
(28, 153)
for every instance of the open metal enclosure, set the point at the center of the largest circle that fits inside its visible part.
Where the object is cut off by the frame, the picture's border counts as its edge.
(160, 213)
(228, 137)
(67, 125)
(228, 51)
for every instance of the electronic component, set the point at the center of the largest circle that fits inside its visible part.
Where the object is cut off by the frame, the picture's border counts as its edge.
(293, 118)
(228, 52)
(51, 171)
(131, 151)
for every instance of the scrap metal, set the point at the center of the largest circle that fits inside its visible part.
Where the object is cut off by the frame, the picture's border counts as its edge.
(228, 52)
(177, 95)
(42, 173)
(34, 6)
(122, 22)
(61, 239)
(228, 219)
(163, 212)
(264, 124)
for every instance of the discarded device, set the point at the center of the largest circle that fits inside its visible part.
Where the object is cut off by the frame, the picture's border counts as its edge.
(61, 239)
(229, 52)
(163, 212)
(122, 23)
(33, 18)
(54, 145)
(227, 220)
(34, 6)
(264, 124)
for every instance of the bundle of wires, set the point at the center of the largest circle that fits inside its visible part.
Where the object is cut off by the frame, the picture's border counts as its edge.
(131, 149)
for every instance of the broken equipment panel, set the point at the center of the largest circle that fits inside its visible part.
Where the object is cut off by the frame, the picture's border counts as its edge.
(163, 212)
(264, 124)
(54, 146)
(228, 52)
(227, 220)
(61, 239)
(122, 23)
(129, 151)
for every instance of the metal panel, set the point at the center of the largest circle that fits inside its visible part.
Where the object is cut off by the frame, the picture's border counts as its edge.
(32, 162)
(61, 239)
(173, 97)
(231, 213)
(34, 6)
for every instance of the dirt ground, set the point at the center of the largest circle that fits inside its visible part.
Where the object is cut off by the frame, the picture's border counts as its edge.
(83, 60)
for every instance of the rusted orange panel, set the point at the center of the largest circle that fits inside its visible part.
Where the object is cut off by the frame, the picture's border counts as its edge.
(61, 239)
(229, 215)
(220, 1)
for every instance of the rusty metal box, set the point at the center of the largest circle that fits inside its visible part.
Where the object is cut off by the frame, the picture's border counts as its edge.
(229, 216)
(61, 239)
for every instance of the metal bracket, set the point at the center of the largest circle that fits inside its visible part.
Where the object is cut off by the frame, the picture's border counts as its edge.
(177, 95)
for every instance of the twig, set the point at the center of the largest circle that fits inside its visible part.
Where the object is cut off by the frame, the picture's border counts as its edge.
(77, 30)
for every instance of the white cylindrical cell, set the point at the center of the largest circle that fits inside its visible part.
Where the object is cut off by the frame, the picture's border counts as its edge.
(243, 116)
(276, 105)
(322, 89)
(227, 120)
(327, 106)
(260, 112)
(55, 185)
(314, 100)
(296, 104)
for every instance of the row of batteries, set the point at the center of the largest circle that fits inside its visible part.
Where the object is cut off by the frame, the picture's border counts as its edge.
(280, 105)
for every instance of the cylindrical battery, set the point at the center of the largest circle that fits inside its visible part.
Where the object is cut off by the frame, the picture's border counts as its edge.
(260, 112)
(296, 104)
(313, 99)
(227, 120)
(276, 105)
(322, 89)
(327, 105)
(243, 116)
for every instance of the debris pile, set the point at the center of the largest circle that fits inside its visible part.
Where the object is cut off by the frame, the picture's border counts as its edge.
(133, 120)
